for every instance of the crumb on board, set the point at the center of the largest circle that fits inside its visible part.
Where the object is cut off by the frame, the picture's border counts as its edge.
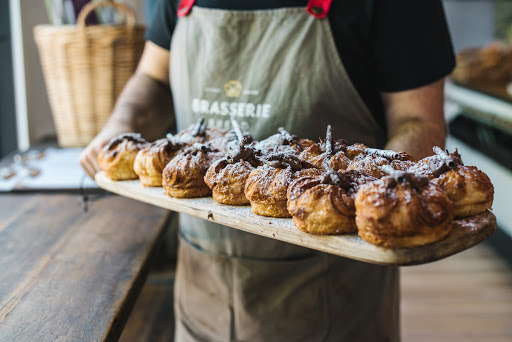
(210, 215)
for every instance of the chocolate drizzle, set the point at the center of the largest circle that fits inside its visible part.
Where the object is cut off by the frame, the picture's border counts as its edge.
(399, 177)
(286, 138)
(196, 148)
(444, 161)
(284, 160)
(133, 137)
(244, 152)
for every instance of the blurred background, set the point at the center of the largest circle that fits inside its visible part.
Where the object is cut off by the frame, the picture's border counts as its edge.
(479, 117)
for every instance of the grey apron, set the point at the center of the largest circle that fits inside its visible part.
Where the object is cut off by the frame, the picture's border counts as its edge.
(271, 68)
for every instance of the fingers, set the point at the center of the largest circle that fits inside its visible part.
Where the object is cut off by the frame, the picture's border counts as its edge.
(87, 165)
(89, 160)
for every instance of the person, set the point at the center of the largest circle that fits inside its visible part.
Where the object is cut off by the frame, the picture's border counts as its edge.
(374, 70)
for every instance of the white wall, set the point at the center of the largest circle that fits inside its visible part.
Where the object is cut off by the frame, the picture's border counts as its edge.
(471, 23)
(40, 122)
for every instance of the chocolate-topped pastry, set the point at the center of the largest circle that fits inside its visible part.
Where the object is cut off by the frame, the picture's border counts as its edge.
(227, 176)
(117, 157)
(316, 153)
(402, 210)
(267, 185)
(469, 188)
(230, 143)
(373, 159)
(152, 159)
(437, 164)
(199, 133)
(184, 175)
(283, 142)
(324, 204)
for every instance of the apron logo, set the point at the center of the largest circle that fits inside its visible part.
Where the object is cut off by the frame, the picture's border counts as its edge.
(233, 88)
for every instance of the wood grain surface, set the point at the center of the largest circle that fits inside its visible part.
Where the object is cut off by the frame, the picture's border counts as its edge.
(465, 234)
(67, 275)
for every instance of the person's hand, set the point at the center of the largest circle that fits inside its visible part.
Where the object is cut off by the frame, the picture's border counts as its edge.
(89, 156)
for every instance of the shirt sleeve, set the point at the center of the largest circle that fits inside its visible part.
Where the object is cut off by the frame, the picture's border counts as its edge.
(412, 45)
(162, 23)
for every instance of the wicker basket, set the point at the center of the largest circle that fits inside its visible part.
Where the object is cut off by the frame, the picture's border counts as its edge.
(85, 68)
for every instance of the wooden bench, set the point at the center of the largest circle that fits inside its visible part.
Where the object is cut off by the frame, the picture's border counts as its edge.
(70, 275)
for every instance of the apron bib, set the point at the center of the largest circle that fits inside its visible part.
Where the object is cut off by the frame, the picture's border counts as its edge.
(270, 69)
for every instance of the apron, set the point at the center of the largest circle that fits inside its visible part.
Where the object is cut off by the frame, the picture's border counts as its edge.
(270, 69)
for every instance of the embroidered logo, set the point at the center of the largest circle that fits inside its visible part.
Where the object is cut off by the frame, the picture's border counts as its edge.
(233, 88)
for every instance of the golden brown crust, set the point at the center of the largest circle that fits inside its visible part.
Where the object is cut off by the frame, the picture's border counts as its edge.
(184, 175)
(402, 165)
(369, 164)
(355, 150)
(470, 190)
(199, 133)
(401, 215)
(316, 156)
(151, 161)
(227, 181)
(266, 189)
(319, 207)
(323, 209)
(423, 167)
(116, 159)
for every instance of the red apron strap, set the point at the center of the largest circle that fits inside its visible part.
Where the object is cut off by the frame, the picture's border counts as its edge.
(318, 8)
(185, 7)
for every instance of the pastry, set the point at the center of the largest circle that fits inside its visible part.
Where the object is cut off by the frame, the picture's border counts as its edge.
(117, 157)
(184, 175)
(267, 185)
(324, 204)
(469, 188)
(284, 142)
(227, 176)
(316, 154)
(372, 161)
(435, 165)
(402, 210)
(152, 159)
(199, 133)
(354, 150)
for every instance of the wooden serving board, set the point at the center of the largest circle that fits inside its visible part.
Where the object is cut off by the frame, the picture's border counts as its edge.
(466, 232)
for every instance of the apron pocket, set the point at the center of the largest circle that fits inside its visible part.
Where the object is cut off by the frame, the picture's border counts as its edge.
(280, 300)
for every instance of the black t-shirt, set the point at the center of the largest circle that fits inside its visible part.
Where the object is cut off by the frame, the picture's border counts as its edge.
(385, 45)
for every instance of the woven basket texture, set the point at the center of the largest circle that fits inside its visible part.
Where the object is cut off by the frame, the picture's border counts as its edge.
(85, 70)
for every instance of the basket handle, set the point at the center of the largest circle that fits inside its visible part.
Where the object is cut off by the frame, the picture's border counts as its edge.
(87, 9)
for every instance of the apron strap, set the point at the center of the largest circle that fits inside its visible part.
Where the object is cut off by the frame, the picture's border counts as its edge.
(318, 8)
(185, 7)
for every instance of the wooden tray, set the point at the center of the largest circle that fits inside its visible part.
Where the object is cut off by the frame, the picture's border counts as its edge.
(466, 232)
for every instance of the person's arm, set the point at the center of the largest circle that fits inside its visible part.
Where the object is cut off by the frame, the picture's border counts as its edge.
(415, 119)
(144, 106)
